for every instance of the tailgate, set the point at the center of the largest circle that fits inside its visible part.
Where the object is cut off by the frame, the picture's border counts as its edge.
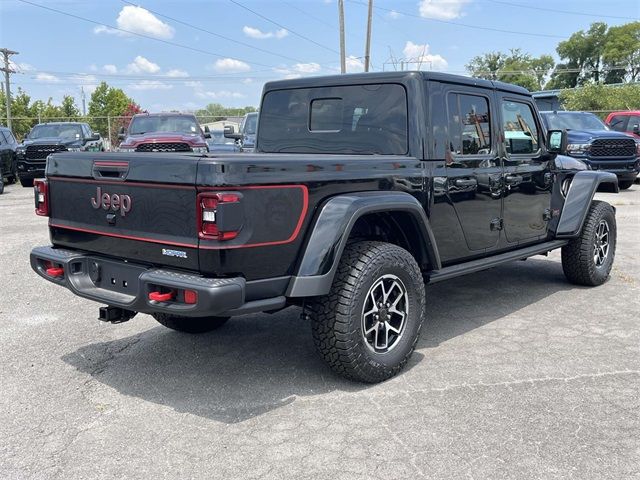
(139, 207)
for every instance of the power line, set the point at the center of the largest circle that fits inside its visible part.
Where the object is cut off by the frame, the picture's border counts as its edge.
(167, 42)
(477, 27)
(283, 27)
(569, 12)
(214, 34)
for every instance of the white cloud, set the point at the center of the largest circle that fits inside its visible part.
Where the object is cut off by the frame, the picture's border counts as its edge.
(354, 64)
(109, 68)
(138, 20)
(177, 73)
(219, 94)
(193, 84)
(21, 67)
(247, 81)
(442, 9)
(230, 65)
(47, 77)
(142, 65)
(260, 35)
(420, 58)
(307, 67)
(394, 15)
(150, 85)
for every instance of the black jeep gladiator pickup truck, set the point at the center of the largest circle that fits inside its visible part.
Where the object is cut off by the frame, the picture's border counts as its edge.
(362, 189)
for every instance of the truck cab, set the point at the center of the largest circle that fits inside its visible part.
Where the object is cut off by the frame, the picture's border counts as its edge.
(164, 132)
(47, 138)
(600, 147)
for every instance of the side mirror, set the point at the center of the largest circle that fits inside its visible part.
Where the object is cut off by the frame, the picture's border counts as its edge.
(636, 129)
(121, 134)
(94, 138)
(229, 132)
(557, 141)
(207, 132)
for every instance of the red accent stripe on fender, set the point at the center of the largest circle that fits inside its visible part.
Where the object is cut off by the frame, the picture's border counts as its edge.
(296, 231)
(126, 237)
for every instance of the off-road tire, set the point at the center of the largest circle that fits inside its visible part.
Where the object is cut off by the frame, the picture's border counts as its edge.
(190, 324)
(1, 186)
(578, 261)
(26, 182)
(624, 184)
(336, 318)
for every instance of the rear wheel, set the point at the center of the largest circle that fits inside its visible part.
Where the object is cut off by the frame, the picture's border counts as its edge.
(587, 259)
(366, 328)
(624, 184)
(26, 182)
(190, 324)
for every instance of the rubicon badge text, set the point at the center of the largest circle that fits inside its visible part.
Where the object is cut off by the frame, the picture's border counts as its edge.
(112, 201)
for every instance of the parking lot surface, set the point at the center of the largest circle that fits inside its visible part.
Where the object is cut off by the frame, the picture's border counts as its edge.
(518, 374)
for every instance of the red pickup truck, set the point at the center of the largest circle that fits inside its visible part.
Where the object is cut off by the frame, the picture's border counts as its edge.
(164, 132)
(627, 122)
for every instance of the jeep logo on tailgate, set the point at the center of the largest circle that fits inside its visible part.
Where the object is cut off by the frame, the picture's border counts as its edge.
(113, 201)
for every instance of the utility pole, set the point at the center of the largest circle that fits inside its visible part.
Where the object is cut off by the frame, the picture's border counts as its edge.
(343, 62)
(6, 53)
(367, 48)
(84, 102)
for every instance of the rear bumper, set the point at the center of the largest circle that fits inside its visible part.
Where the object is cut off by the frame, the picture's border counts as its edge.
(127, 285)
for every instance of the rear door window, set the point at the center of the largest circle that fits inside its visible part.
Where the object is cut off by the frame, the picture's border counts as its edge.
(362, 119)
(469, 124)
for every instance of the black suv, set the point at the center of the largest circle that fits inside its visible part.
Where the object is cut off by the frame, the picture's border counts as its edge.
(8, 166)
(590, 140)
(47, 138)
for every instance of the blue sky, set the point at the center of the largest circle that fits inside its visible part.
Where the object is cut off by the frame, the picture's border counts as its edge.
(59, 54)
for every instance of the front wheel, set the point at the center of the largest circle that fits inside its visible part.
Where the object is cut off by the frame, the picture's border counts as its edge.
(26, 182)
(190, 324)
(624, 184)
(587, 259)
(366, 328)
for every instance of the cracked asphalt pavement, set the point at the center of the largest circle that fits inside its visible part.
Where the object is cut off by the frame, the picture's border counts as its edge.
(518, 374)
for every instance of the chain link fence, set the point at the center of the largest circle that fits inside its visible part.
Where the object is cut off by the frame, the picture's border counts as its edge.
(109, 126)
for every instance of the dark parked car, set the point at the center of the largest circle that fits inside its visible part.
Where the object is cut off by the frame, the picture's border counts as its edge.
(8, 161)
(219, 143)
(164, 132)
(249, 130)
(362, 188)
(591, 141)
(47, 138)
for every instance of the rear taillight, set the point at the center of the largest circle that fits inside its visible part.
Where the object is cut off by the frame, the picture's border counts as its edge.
(209, 206)
(41, 194)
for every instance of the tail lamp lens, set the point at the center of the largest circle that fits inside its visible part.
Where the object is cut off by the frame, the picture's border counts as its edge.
(41, 194)
(208, 204)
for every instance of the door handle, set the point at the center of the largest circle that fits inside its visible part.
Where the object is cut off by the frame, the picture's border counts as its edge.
(513, 179)
(465, 182)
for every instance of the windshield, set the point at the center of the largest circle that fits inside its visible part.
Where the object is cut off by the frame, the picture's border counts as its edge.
(70, 131)
(250, 124)
(168, 123)
(574, 121)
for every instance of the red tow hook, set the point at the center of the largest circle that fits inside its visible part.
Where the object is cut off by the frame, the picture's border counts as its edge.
(55, 271)
(161, 297)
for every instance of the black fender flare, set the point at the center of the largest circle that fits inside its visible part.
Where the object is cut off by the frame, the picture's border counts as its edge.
(576, 205)
(331, 230)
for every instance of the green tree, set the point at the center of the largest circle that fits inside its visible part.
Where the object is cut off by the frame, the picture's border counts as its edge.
(621, 53)
(20, 111)
(514, 67)
(598, 96)
(107, 101)
(69, 108)
(582, 57)
(218, 110)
